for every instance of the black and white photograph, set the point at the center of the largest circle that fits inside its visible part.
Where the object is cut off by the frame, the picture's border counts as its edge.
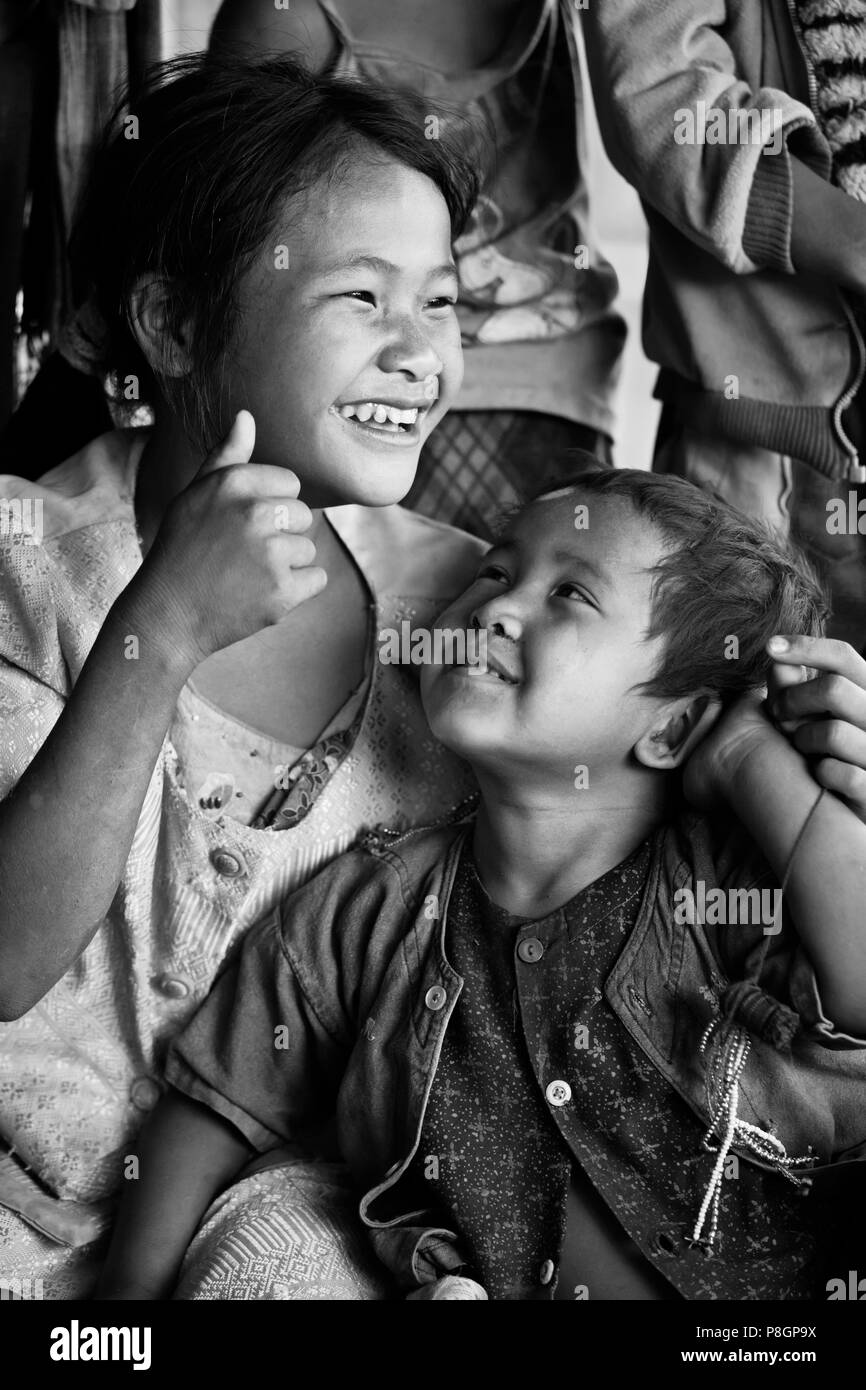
(432, 671)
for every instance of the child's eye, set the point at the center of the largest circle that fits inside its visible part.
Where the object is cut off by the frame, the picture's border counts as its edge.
(363, 296)
(493, 572)
(572, 591)
(443, 301)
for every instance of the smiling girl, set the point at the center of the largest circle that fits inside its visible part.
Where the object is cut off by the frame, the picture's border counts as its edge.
(194, 718)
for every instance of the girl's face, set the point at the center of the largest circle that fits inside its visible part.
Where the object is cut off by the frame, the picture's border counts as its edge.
(348, 352)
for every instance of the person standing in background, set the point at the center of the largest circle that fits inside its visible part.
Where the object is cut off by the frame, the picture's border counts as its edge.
(542, 341)
(741, 127)
(61, 65)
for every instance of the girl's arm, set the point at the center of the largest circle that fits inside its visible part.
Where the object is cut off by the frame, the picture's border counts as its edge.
(220, 568)
(766, 780)
(67, 826)
(186, 1156)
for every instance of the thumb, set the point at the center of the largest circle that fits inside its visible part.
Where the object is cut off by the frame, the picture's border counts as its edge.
(237, 447)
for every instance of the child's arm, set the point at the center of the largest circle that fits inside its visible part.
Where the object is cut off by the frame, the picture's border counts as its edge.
(187, 1155)
(67, 826)
(764, 777)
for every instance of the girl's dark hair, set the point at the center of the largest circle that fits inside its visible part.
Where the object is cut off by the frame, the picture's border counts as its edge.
(188, 184)
(723, 575)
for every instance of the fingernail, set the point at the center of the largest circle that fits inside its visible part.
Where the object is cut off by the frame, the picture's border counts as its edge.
(778, 644)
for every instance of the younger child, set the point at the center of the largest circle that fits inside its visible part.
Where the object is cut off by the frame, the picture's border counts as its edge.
(554, 1035)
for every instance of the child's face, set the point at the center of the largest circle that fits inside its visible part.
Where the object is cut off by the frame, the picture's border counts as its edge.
(363, 314)
(565, 613)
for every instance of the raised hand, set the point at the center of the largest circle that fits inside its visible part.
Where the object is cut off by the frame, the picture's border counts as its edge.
(230, 556)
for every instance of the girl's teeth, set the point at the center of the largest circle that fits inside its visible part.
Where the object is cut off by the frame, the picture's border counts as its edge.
(380, 413)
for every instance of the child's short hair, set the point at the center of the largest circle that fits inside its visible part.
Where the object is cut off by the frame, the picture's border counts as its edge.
(188, 184)
(724, 576)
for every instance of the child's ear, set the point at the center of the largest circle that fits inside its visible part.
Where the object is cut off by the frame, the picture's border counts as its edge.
(154, 327)
(676, 730)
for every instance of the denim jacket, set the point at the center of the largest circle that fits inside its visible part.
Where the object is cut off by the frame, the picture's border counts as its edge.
(343, 995)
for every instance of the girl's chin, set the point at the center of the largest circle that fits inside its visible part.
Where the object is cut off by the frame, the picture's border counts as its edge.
(378, 497)
(362, 485)
(381, 487)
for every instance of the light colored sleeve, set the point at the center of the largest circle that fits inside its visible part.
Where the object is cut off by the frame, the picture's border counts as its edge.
(652, 60)
(34, 680)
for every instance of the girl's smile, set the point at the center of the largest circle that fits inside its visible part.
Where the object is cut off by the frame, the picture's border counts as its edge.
(395, 420)
(350, 352)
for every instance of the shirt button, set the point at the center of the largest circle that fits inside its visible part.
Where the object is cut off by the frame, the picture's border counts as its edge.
(558, 1093)
(435, 998)
(144, 1093)
(171, 986)
(530, 950)
(227, 864)
(545, 1274)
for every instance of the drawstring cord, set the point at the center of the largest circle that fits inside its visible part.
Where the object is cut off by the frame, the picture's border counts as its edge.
(725, 1123)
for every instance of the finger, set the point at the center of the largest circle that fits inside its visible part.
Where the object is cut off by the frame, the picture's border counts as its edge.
(846, 781)
(824, 653)
(825, 695)
(306, 583)
(237, 447)
(291, 515)
(832, 738)
(782, 674)
(301, 553)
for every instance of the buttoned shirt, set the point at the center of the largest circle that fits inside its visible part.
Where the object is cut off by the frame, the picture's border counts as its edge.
(342, 996)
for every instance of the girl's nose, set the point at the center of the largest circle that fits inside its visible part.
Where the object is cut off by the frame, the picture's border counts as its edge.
(411, 352)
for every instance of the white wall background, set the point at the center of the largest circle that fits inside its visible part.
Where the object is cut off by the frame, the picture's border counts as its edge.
(619, 225)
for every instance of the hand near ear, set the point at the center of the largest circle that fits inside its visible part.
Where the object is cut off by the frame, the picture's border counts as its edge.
(816, 702)
(817, 695)
(710, 768)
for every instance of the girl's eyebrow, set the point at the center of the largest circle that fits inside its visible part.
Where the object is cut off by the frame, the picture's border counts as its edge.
(364, 262)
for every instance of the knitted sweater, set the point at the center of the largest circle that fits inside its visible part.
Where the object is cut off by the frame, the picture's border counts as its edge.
(834, 37)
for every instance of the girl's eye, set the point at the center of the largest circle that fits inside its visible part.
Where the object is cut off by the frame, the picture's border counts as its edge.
(363, 296)
(443, 301)
(493, 572)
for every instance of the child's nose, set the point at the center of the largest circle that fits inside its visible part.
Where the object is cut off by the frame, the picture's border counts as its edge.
(498, 618)
(411, 352)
